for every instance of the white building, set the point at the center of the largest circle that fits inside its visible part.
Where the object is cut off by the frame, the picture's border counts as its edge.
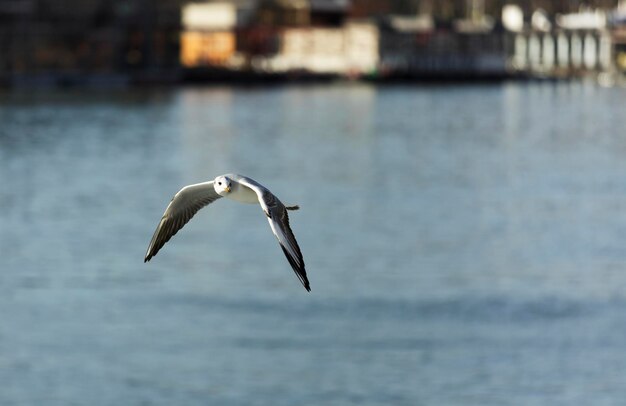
(351, 50)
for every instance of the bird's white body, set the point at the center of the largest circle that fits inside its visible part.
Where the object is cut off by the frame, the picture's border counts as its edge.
(243, 195)
(238, 192)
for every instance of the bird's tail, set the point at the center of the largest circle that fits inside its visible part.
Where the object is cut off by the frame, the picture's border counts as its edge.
(296, 207)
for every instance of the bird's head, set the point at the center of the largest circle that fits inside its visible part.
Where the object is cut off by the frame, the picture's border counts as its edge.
(223, 185)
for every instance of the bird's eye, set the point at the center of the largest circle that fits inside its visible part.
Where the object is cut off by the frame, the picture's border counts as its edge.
(219, 183)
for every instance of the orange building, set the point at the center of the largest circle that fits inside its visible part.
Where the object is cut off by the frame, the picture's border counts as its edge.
(206, 48)
(208, 36)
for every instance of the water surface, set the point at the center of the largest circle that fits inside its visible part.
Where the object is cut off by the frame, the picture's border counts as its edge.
(465, 246)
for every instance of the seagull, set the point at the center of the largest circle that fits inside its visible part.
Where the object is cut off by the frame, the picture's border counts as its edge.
(186, 203)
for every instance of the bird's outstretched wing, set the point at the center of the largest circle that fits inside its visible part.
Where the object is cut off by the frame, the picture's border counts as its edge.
(278, 218)
(181, 209)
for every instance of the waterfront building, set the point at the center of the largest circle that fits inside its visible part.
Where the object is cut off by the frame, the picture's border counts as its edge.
(77, 41)
(208, 34)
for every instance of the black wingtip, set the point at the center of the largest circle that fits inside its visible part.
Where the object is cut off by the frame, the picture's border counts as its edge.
(149, 255)
(305, 282)
(299, 270)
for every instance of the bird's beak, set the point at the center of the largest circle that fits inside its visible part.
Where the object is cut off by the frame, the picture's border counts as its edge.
(227, 189)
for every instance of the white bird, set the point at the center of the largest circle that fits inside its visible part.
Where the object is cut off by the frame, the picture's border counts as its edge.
(186, 203)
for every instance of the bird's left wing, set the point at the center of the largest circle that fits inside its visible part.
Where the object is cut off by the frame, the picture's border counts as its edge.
(181, 209)
(276, 213)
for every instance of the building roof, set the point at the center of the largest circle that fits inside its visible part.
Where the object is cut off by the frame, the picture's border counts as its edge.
(285, 4)
(330, 5)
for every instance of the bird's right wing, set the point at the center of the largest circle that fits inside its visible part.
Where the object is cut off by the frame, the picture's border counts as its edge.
(278, 218)
(181, 209)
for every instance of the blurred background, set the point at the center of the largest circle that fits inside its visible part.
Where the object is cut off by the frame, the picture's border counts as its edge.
(459, 167)
(97, 42)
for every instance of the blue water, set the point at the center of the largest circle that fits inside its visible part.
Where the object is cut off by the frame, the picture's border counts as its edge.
(465, 246)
